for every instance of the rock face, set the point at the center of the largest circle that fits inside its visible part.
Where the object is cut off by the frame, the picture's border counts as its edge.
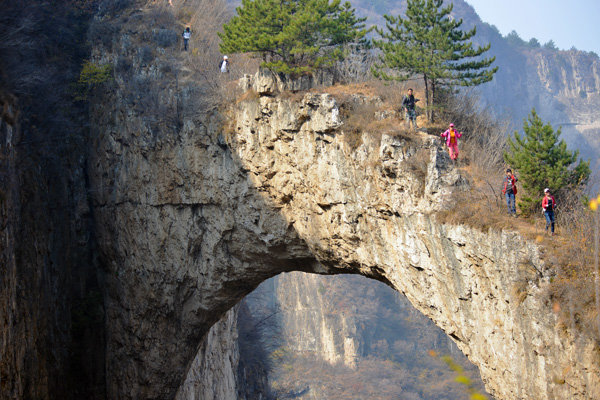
(309, 325)
(188, 225)
(220, 370)
(51, 315)
(212, 374)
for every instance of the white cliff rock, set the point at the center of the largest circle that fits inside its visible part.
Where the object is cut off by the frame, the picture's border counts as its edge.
(188, 225)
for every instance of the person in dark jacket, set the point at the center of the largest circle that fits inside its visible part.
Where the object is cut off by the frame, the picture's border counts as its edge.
(548, 205)
(509, 189)
(408, 103)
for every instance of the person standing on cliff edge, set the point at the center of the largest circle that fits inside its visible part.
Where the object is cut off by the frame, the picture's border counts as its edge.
(408, 103)
(452, 136)
(509, 189)
(548, 206)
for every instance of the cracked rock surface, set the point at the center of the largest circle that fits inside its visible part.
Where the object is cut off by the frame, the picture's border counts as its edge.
(187, 225)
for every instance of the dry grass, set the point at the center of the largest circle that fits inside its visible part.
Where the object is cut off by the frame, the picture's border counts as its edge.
(368, 115)
(250, 94)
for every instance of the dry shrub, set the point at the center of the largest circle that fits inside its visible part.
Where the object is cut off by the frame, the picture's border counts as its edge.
(357, 113)
(345, 91)
(292, 96)
(484, 134)
(356, 66)
(481, 152)
(249, 94)
(477, 208)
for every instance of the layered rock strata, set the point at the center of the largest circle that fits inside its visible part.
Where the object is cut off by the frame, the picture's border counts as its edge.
(191, 223)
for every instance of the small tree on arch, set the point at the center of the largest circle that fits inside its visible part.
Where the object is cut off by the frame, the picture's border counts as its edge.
(428, 43)
(544, 162)
(292, 36)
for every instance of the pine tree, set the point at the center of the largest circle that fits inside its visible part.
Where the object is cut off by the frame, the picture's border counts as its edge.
(542, 161)
(292, 36)
(428, 43)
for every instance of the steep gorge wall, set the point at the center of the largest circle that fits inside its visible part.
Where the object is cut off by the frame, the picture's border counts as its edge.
(51, 316)
(310, 323)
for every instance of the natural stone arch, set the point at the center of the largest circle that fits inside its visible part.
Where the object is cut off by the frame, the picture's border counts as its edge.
(191, 225)
(328, 331)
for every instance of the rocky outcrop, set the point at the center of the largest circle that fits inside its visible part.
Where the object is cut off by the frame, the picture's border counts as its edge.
(188, 225)
(358, 218)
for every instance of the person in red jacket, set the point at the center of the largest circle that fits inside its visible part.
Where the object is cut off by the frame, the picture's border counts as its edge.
(549, 204)
(452, 136)
(509, 189)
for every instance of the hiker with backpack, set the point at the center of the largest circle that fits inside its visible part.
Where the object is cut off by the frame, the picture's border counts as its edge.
(408, 103)
(187, 34)
(452, 136)
(548, 206)
(509, 189)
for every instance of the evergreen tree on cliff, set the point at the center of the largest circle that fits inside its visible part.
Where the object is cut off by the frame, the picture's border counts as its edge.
(544, 162)
(428, 43)
(292, 36)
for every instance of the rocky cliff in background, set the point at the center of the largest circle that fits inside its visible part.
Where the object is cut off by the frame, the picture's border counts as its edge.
(220, 370)
(346, 336)
(562, 85)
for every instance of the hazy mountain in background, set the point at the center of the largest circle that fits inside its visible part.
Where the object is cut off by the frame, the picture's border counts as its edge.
(563, 86)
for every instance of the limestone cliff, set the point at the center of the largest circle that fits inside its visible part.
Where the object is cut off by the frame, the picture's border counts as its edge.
(188, 224)
(219, 371)
(311, 324)
(355, 217)
(180, 214)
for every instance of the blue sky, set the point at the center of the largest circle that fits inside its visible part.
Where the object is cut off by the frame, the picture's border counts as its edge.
(568, 23)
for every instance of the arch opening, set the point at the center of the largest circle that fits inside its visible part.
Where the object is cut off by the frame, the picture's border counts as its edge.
(309, 336)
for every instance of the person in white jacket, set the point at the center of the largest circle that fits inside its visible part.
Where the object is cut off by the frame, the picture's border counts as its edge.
(187, 34)
(224, 64)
